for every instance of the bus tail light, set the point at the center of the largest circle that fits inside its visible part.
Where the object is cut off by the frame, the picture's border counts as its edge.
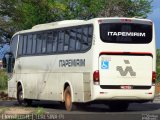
(96, 77)
(153, 77)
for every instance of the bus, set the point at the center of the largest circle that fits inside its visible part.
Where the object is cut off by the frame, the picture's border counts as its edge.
(111, 61)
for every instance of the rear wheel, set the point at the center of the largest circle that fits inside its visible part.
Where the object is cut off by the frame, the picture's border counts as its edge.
(68, 99)
(118, 106)
(20, 99)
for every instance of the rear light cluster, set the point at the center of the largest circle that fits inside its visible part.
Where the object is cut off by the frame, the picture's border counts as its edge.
(153, 77)
(96, 77)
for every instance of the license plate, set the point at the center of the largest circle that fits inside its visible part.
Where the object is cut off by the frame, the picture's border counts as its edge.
(126, 87)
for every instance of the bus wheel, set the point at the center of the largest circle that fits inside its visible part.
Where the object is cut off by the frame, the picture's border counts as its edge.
(118, 106)
(68, 99)
(28, 102)
(21, 101)
(20, 95)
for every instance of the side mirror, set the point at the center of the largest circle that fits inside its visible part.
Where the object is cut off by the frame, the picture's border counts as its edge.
(4, 62)
(8, 62)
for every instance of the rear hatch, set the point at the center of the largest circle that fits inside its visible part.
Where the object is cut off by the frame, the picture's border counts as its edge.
(125, 67)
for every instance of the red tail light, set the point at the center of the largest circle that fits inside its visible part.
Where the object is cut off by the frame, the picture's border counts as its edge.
(96, 77)
(153, 77)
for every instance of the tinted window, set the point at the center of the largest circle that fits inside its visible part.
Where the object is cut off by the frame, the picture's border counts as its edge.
(79, 38)
(90, 31)
(73, 39)
(34, 44)
(60, 41)
(125, 33)
(72, 45)
(20, 47)
(55, 40)
(49, 42)
(39, 43)
(66, 40)
(24, 44)
(85, 35)
(44, 40)
(29, 44)
(13, 45)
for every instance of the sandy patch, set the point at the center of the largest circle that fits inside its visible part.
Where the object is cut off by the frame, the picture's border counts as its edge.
(17, 110)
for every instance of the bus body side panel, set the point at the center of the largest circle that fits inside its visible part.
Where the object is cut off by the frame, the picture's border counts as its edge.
(77, 75)
(12, 87)
(79, 83)
(45, 76)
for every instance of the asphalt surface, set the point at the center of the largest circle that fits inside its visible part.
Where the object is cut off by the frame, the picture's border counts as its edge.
(136, 111)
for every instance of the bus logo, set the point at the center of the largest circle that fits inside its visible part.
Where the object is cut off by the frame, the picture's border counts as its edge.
(127, 70)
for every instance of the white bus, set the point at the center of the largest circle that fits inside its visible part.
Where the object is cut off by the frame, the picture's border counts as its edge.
(102, 60)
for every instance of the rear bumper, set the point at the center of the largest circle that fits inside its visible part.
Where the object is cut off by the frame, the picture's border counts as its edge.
(121, 94)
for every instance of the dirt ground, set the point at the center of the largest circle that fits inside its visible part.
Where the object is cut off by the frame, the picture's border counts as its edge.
(27, 110)
(158, 88)
(16, 110)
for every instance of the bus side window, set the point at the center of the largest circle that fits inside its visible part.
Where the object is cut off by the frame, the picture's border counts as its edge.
(66, 41)
(34, 44)
(85, 38)
(72, 45)
(79, 37)
(55, 41)
(90, 34)
(44, 39)
(39, 44)
(29, 44)
(49, 42)
(24, 44)
(13, 46)
(60, 41)
(20, 47)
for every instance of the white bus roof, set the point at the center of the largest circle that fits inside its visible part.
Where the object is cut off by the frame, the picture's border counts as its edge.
(67, 23)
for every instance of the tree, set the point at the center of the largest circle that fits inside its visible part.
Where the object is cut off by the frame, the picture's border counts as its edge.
(126, 8)
(23, 14)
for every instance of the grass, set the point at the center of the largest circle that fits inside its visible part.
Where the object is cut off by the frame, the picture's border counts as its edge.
(39, 111)
(3, 79)
(158, 65)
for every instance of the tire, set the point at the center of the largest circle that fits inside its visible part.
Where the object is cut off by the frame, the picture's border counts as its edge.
(28, 102)
(118, 106)
(68, 99)
(21, 101)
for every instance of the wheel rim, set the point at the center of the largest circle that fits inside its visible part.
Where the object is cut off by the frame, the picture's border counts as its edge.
(68, 103)
(20, 97)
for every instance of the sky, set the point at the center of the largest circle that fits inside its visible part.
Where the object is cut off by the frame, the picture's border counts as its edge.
(155, 17)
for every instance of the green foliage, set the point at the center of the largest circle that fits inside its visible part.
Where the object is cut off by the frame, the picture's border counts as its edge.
(39, 111)
(3, 80)
(158, 65)
(127, 8)
(23, 14)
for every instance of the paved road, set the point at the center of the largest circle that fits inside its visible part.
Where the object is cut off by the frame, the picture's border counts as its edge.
(146, 111)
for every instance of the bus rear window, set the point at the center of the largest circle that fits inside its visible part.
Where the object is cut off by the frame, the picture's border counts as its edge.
(130, 33)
